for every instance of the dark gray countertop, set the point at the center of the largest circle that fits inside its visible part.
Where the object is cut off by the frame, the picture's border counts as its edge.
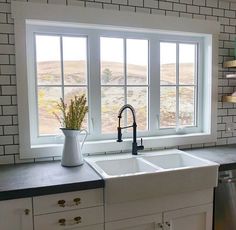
(26, 180)
(224, 155)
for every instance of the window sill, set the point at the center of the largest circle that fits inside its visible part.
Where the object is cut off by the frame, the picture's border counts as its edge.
(94, 147)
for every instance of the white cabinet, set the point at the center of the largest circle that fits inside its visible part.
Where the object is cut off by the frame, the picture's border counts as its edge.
(151, 222)
(81, 210)
(194, 218)
(16, 214)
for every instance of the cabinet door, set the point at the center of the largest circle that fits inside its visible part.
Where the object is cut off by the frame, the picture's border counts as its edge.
(151, 222)
(195, 218)
(16, 214)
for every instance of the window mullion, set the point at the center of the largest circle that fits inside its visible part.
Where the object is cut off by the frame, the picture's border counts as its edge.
(177, 84)
(62, 68)
(125, 78)
(154, 84)
(94, 89)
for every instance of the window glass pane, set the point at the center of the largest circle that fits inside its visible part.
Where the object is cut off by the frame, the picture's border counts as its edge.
(138, 98)
(112, 61)
(48, 97)
(48, 60)
(70, 93)
(187, 63)
(112, 100)
(137, 61)
(168, 107)
(186, 106)
(75, 60)
(168, 63)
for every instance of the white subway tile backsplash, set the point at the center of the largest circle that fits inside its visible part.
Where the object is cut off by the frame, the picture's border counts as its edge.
(199, 2)
(9, 90)
(206, 10)
(7, 159)
(5, 100)
(8, 130)
(6, 140)
(212, 3)
(230, 13)
(217, 10)
(9, 110)
(229, 29)
(224, 4)
(151, 4)
(121, 2)
(179, 7)
(165, 5)
(189, 2)
(3, 18)
(232, 6)
(63, 2)
(193, 9)
(5, 7)
(137, 2)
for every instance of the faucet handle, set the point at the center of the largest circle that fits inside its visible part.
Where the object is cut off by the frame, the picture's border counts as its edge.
(141, 147)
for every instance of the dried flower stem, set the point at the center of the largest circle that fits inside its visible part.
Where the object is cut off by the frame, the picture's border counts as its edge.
(72, 115)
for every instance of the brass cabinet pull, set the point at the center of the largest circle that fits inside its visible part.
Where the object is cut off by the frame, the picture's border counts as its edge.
(160, 225)
(27, 211)
(168, 224)
(77, 201)
(62, 222)
(78, 219)
(61, 203)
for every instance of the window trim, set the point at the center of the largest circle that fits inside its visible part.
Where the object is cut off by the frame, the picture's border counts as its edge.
(25, 12)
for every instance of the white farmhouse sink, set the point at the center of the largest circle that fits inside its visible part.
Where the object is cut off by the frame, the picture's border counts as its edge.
(153, 174)
(174, 160)
(123, 167)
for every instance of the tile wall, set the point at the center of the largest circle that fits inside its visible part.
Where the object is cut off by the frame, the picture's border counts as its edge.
(222, 11)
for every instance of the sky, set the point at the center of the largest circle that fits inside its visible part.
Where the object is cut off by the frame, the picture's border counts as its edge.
(74, 49)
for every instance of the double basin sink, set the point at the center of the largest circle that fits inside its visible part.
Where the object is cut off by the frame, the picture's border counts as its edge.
(153, 174)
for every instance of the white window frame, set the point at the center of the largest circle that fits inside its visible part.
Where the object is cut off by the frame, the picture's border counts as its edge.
(77, 17)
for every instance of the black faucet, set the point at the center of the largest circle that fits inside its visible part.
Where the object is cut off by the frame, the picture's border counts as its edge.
(135, 146)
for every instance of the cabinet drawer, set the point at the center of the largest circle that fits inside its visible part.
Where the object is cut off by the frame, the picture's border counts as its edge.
(76, 219)
(67, 201)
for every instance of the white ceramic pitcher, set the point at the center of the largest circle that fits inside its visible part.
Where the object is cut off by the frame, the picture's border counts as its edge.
(72, 150)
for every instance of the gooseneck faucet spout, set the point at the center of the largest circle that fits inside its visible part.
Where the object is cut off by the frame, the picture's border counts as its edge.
(135, 146)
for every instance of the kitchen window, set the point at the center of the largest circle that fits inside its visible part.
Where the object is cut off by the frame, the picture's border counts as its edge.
(125, 61)
(162, 74)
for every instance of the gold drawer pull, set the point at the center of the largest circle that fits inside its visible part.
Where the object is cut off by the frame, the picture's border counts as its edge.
(168, 224)
(27, 211)
(77, 201)
(61, 203)
(78, 219)
(62, 222)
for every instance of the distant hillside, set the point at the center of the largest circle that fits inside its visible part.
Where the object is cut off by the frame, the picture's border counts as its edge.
(74, 71)
(49, 73)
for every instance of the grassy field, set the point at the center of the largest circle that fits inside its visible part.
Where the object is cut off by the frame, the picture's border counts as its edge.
(112, 79)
